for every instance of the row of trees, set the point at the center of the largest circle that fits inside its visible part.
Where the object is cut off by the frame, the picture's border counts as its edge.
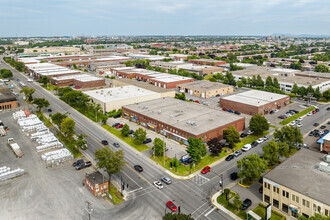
(303, 91)
(19, 66)
(5, 73)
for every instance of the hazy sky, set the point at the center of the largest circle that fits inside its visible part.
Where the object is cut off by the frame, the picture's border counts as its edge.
(160, 17)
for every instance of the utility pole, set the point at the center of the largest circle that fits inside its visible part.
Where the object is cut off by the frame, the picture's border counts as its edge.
(164, 146)
(88, 209)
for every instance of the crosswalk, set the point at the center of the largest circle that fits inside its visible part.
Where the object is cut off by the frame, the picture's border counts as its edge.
(199, 180)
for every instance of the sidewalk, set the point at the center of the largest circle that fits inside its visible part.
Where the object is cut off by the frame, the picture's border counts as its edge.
(223, 209)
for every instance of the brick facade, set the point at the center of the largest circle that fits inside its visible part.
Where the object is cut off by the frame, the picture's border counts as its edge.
(8, 105)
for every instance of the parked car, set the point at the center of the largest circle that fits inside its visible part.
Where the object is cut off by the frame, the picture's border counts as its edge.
(131, 132)
(138, 168)
(309, 114)
(224, 109)
(254, 144)
(271, 112)
(275, 110)
(119, 126)
(317, 110)
(237, 112)
(104, 142)
(266, 137)
(316, 124)
(260, 140)
(299, 125)
(326, 131)
(166, 180)
(246, 204)
(249, 132)
(196, 101)
(230, 111)
(237, 153)
(246, 147)
(311, 133)
(188, 161)
(313, 112)
(115, 125)
(84, 165)
(146, 141)
(321, 132)
(78, 162)
(171, 206)
(49, 110)
(292, 123)
(117, 116)
(78, 87)
(328, 109)
(234, 176)
(230, 157)
(206, 170)
(323, 126)
(116, 144)
(243, 135)
(300, 119)
(158, 184)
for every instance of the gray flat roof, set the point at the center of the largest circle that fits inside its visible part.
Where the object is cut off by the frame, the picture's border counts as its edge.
(204, 85)
(178, 113)
(300, 173)
(144, 85)
(255, 97)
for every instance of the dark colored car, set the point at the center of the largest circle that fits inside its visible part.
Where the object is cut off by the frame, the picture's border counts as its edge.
(206, 170)
(316, 124)
(237, 112)
(317, 110)
(243, 135)
(104, 142)
(224, 109)
(131, 131)
(217, 95)
(78, 162)
(115, 124)
(116, 144)
(326, 131)
(146, 141)
(230, 157)
(49, 110)
(254, 144)
(246, 204)
(84, 165)
(171, 206)
(188, 161)
(117, 116)
(138, 168)
(234, 176)
(260, 189)
(272, 112)
(311, 133)
(328, 109)
(323, 126)
(230, 111)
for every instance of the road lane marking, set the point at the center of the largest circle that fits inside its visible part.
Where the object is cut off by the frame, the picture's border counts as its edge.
(210, 211)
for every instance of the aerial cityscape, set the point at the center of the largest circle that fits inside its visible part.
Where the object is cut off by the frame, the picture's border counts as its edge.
(172, 110)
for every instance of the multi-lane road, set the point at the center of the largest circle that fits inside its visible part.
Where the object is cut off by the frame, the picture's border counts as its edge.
(145, 201)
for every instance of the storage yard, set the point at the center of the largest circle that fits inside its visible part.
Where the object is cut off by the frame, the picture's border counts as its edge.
(42, 192)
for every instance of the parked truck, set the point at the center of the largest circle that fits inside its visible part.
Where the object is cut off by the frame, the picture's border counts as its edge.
(15, 147)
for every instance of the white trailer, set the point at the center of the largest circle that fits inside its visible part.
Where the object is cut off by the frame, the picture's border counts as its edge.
(15, 147)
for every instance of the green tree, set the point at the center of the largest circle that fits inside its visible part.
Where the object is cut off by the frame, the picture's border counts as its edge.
(317, 94)
(251, 167)
(315, 217)
(159, 146)
(237, 202)
(58, 118)
(269, 81)
(310, 89)
(271, 152)
(254, 81)
(125, 130)
(5, 73)
(258, 124)
(215, 146)
(177, 216)
(326, 94)
(244, 80)
(112, 161)
(276, 84)
(289, 135)
(140, 135)
(104, 120)
(28, 92)
(45, 80)
(231, 136)
(321, 68)
(81, 142)
(260, 82)
(196, 149)
(240, 84)
(302, 91)
(40, 103)
(295, 89)
(68, 127)
(226, 193)
(181, 96)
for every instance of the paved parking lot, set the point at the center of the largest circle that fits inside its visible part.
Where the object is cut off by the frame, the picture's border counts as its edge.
(41, 193)
(249, 193)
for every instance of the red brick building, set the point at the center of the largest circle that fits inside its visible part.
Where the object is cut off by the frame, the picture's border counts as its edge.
(209, 62)
(7, 100)
(81, 80)
(96, 183)
(254, 102)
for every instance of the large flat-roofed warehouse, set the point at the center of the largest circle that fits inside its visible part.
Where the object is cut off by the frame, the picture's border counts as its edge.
(50, 70)
(254, 102)
(81, 80)
(116, 97)
(180, 120)
(300, 185)
(205, 88)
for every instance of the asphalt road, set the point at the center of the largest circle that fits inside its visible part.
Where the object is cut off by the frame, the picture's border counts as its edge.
(145, 201)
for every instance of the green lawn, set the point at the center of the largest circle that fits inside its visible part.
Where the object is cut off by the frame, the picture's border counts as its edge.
(261, 211)
(228, 205)
(117, 197)
(273, 126)
(249, 139)
(294, 117)
(128, 140)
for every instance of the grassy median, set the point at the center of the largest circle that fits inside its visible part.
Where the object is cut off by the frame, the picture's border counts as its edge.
(128, 140)
(296, 116)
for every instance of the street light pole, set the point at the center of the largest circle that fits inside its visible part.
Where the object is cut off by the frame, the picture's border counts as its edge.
(164, 150)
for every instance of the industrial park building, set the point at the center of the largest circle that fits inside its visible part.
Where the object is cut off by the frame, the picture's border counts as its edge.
(205, 88)
(299, 185)
(180, 120)
(254, 102)
(114, 98)
(209, 62)
(81, 80)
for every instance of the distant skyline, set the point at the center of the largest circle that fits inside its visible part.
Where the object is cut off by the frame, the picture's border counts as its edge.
(23, 18)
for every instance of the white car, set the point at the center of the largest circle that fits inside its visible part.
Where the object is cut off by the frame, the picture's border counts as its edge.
(309, 114)
(299, 125)
(321, 132)
(260, 140)
(275, 110)
(249, 132)
(292, 123)
(30, 80)
(158, 184)
(246, 147)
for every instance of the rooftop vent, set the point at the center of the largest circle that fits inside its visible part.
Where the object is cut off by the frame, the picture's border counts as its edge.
(159, 112)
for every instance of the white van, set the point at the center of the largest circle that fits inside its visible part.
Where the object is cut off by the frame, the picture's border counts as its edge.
(30, 80)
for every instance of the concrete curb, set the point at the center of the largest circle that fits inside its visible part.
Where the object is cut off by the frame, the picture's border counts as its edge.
(222, 208)
(179, 177)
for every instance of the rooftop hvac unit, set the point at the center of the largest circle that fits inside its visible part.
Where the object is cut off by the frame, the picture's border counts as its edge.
(327, 158)
(188, 122)
(193, 123)
(159, 112)
(325, 167)
(172, 116)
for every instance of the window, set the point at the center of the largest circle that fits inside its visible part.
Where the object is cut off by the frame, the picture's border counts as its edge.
(307, 204)
(294, 214)
(274, 188)
(326, 212)
(266, 198)
(319, 209)
(268, 186)
(285, 208)
(297, 199)
(304, 202)
(283, 193)
(278, 190)
(265, 184)
(293, 197)
(276, 203)
(287, 195)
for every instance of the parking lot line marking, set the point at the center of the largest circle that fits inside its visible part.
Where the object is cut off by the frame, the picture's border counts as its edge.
(210, 212)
